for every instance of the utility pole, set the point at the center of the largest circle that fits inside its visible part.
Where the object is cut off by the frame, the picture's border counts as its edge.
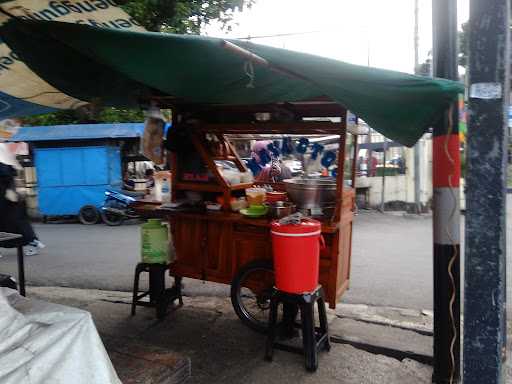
(417, 147)
(485, 277)
(446, 212)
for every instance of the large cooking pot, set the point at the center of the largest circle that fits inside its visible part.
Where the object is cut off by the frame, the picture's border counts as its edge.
(310, 193)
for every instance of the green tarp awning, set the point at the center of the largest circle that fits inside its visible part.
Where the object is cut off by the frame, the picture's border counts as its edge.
(117, 68)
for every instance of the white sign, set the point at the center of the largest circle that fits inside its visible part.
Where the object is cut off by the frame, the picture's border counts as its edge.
(487, 91)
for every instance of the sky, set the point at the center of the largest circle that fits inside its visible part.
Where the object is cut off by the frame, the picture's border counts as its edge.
(375, 32)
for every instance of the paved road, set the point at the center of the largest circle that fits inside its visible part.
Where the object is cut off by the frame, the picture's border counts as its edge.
(391, 265)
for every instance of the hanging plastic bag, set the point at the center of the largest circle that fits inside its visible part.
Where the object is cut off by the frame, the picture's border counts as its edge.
(153, 136)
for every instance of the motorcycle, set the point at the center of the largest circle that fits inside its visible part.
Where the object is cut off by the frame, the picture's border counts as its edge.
(117, 207)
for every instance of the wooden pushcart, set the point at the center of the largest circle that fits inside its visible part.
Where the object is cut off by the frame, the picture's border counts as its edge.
(226, 247)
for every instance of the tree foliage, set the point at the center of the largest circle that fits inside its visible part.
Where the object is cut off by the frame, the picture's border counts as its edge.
(176, 16)
(85, 116)
(182, 16)
(464, 44)
(425, 68)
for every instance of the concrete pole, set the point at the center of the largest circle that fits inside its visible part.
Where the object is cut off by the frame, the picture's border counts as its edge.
(485, 269)
(446, 213)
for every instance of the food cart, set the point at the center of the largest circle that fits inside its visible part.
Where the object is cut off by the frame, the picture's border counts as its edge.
(215, 87)
(76, 163)
(225, 246)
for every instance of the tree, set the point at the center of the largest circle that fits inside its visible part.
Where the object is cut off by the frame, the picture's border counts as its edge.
(85, 115)
(463, 44)
(182, 16)
(176, 16)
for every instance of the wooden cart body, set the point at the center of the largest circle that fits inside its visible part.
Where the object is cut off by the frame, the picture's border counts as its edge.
(212, 246)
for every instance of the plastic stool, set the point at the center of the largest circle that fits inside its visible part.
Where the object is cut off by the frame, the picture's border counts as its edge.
(314, 338)
(159, 296)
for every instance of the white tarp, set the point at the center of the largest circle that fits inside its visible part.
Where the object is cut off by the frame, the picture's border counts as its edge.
(22, 88)
(47, 343)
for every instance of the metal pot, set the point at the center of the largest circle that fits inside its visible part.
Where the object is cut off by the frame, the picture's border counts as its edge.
(281, 209)
(310, 193)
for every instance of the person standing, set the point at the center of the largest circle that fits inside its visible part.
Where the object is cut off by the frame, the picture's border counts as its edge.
(14, 218)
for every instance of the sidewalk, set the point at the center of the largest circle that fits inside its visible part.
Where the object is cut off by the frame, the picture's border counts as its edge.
(206, 337)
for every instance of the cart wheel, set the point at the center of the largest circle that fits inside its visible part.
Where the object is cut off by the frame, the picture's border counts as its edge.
(250, 293)
(89, 215)
(111, 219)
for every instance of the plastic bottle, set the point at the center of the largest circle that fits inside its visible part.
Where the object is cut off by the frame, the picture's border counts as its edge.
(166, 190)
(154, 242)
(162, 189)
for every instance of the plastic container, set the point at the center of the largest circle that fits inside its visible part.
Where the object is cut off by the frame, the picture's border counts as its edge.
(238, 204)
(139, 184)
(246, 177)
(296, 249)
(256, 196)
(213, 206)
(154, 242)
(162, 189)
(231, 177)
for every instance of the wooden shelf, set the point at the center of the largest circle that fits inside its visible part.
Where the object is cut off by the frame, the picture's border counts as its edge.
(209, 187)
(227, 158)
(238, 187)
(198, 186)
(152, 211)
(297, 127)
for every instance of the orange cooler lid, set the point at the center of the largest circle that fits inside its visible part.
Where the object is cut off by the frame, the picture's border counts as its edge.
(306, 225)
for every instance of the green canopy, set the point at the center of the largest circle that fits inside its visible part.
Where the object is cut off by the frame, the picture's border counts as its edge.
(118, 68)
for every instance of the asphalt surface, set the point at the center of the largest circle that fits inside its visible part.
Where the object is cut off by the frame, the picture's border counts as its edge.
(391, 260)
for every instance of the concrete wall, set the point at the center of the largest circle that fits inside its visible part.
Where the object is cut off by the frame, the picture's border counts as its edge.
(401, 187)
(395, 189)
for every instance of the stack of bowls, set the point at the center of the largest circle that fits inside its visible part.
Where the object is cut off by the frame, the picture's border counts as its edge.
(275, 196)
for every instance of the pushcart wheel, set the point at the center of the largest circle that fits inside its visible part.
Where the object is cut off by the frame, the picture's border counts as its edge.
(88, 215)
(112, 219)
(251, 289)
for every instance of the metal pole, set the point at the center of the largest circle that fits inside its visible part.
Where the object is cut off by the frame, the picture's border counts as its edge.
(417, 177)
(21, 270)
(383, 191)
(446, 212)
(416, 36)
(485, 269)
(355, 138)
(369, 153)
(417, 184)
